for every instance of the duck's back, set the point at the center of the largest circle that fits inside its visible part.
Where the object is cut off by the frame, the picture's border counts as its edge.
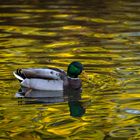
(41, 73)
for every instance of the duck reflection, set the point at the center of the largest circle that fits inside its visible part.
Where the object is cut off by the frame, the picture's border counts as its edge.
(76, 107)
(70, 95)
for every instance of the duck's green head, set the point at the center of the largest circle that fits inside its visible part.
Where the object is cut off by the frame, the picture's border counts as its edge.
(74, 69)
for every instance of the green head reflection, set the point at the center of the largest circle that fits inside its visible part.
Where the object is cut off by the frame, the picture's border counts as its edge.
(76, 108)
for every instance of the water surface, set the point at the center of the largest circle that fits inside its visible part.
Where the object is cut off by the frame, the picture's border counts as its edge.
(104, 36)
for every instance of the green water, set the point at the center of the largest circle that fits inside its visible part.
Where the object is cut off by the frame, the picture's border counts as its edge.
(104, 36)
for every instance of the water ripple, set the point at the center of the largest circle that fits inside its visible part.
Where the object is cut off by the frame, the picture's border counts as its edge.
(104, 36)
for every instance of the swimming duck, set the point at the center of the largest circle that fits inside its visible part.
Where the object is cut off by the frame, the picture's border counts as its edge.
(50, 79)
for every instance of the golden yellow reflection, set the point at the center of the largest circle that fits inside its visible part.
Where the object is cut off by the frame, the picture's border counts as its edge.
(66, 129)
(61, 44)
(73, 27)
(17, 42)
(98, 20)
(38, 10)
(104, 37)
(15, 15)
(62, 16)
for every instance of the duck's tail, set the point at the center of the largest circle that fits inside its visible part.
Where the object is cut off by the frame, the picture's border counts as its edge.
(19, 75)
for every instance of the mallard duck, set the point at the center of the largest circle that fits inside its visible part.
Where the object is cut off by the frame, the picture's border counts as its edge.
(50, 79)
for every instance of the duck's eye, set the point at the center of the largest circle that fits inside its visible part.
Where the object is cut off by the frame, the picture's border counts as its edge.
(51, 72)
